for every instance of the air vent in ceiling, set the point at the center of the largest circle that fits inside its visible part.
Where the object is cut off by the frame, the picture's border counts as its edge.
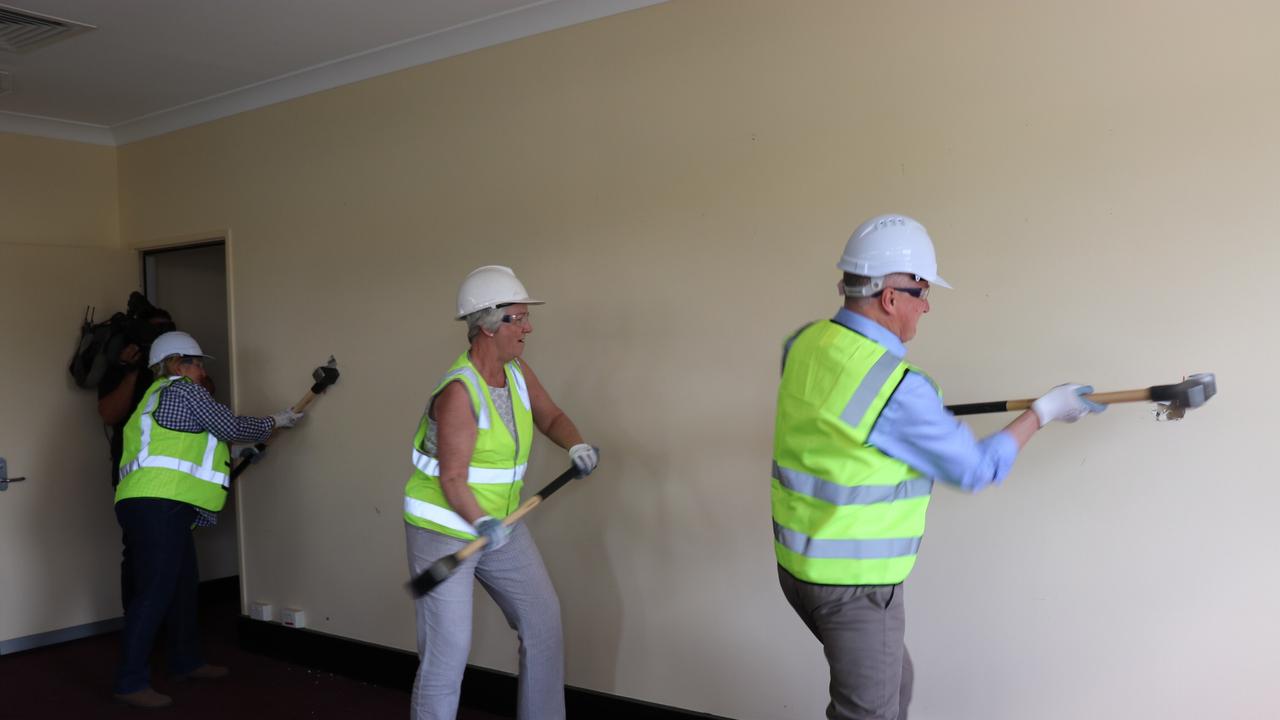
(6, 82)
(22, 30)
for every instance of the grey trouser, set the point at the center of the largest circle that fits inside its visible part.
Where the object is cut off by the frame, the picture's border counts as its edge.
(516, 579)
(861, 629)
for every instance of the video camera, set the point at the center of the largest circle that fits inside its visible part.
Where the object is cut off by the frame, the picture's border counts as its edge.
(144, 322)
(101, 343)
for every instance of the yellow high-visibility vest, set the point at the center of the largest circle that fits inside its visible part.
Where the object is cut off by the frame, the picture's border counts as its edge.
(162, 463)
(496, 472)
(844, 513)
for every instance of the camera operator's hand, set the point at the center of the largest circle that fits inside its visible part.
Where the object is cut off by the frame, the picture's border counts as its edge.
(130, 355)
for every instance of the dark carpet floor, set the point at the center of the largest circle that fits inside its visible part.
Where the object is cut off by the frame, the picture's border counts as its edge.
(73, 680)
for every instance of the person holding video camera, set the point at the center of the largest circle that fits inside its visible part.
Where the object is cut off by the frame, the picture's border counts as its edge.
(123, 386)
(127, 378)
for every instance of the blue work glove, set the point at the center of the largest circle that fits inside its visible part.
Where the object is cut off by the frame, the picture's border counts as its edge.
(493, 529)
(1066, 403)
(585, 457)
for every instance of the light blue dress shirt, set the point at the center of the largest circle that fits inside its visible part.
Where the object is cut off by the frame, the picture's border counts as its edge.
(916, 429)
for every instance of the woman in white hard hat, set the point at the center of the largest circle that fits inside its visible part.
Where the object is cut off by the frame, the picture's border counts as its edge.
(174, 475)
(469, 455)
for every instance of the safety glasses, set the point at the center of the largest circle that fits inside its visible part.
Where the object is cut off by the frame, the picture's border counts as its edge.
(915, 292)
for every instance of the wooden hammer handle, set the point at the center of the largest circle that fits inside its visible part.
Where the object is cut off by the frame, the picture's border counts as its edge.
(1107, 398)
(474, 546)
(1120, 396)
(525, 508)
(304, 402)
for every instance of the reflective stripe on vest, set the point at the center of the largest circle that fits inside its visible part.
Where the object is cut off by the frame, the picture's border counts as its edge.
(845, 549)
(844, 513)
(438, 515)
(869, 388)
(498, 461)
(204, 471)
(836, 494)
(482, 415)
(521, 387)
(475, 475)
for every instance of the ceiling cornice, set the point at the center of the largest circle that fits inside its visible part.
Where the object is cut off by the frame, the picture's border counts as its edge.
(538, 17)
(57, 129)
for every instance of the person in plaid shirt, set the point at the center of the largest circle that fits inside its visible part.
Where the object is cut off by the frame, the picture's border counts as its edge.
(174, 475)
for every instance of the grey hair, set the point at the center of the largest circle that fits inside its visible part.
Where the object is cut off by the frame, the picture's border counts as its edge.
(161, 369)
(487, 320)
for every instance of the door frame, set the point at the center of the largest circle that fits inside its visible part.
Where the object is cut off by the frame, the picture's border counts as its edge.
(194, 241)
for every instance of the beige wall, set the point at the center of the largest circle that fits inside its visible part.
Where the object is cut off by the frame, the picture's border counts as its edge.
(59, 551)
(678, 182)
(57, 192)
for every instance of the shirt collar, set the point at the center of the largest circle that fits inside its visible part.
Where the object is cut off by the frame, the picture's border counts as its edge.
(871, 330)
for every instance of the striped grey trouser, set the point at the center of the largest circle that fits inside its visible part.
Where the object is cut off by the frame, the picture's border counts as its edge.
(516, 579)
(861, 629)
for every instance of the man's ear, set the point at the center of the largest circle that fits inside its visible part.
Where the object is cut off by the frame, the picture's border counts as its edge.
(888, 301)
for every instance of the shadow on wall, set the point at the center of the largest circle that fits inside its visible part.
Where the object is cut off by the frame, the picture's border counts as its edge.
(572, 530)
(590, 600)
(591, 596)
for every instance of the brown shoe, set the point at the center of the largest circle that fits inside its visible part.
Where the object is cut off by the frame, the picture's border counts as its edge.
(144, 698)
(206, 672)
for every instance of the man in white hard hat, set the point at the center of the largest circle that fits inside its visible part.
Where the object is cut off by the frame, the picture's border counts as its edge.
(469, 455)
(174, 475)
(860, 437)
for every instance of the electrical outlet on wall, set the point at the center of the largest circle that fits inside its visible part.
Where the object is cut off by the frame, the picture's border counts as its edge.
(293, 617)
(264, 611)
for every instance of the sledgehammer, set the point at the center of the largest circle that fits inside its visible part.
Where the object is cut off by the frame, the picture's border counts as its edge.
(441, 569)
(324, 376)
(1176, 399)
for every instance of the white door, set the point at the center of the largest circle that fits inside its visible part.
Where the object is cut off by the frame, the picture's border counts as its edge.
(59, 541)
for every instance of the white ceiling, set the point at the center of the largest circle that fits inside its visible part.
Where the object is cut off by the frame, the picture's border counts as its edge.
(154, 66)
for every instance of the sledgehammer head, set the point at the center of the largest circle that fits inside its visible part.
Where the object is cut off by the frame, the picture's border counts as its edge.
(1190, 393)
(325, 375)
(1175, 400)
(439, 571)
(1210, 382)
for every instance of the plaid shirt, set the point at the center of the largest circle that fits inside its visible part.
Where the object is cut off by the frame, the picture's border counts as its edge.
(188, 407)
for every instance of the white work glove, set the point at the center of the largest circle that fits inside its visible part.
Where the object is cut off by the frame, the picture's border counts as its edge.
(286, 418)
(1066, 403)
(493, 529)
(585, 457)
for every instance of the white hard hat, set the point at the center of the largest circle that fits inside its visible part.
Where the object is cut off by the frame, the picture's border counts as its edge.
(890, 244)
(175, 343)
(490, 286)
